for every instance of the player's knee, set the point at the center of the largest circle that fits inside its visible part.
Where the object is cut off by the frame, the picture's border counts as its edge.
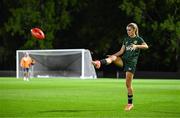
(108, 60)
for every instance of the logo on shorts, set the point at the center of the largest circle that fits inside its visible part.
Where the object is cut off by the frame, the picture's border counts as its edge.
(129, 68)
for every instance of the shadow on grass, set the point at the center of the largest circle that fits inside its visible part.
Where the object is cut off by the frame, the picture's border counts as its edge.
(69, 110)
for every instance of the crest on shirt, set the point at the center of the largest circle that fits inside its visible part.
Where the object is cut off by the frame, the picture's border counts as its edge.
(135, 42)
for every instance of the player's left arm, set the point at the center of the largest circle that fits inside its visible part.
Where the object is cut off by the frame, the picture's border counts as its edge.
(22, 63)
(141, 46)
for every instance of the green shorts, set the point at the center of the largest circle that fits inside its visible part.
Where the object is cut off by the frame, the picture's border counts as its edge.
(129, 65)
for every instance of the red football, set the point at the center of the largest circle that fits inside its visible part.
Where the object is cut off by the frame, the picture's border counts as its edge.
(37, 33)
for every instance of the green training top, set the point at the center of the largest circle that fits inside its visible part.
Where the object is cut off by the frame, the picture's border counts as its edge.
(130, 53)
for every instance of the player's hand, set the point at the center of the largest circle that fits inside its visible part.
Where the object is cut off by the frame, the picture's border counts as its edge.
(134, 47)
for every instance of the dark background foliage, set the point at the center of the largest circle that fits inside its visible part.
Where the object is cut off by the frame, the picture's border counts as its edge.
(97, 25)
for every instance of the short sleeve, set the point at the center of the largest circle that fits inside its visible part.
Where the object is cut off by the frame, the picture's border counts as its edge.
(141, 40)
(124, 40)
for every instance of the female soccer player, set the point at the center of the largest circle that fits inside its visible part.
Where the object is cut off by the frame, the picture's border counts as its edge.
(127, 58)
(26, 63)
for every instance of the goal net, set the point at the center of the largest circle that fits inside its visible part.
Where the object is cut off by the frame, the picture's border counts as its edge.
(58, 63)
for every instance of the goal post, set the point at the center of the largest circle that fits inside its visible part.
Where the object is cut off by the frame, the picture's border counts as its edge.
(58, 63)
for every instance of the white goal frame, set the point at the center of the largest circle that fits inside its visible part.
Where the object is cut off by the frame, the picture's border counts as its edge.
(83, 51)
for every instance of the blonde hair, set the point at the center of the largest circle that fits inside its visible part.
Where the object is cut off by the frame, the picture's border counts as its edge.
(135, 27)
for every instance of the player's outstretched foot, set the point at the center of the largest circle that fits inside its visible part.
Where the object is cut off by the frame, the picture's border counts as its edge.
(97, 64)
(128, 107)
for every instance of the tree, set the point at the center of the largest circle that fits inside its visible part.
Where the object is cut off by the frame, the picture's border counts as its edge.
(98, 25)
(49, 15)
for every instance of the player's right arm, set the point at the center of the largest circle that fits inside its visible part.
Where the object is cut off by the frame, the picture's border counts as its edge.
(120, 52)
(115, 57)
(22, 63)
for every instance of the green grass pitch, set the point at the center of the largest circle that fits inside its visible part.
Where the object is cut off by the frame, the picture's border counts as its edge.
(100, 98)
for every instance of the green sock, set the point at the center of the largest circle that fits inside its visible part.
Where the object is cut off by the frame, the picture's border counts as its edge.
(103, 62)
(130, 99)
